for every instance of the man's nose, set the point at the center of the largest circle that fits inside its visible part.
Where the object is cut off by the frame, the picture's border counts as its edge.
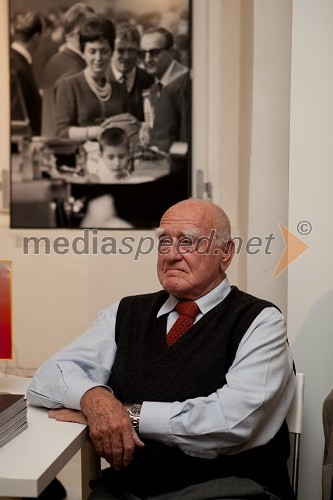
(147, 56)
(173, 251)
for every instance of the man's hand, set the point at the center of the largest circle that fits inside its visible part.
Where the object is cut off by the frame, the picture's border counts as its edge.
(110, 427)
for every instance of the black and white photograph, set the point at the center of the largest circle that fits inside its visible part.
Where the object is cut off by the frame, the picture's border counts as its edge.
(101, 106)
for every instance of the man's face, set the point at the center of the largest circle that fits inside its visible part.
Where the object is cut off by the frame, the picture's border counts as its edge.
(189, 264)
(155, 58)
(125, 55)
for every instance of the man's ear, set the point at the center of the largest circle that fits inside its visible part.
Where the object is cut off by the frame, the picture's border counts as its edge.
(36, 37)
(228, 253)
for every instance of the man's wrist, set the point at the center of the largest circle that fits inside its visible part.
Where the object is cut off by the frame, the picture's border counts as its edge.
(93, 391)
(75, 393)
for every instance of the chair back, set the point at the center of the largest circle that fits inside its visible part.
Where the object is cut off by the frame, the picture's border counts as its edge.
(295, 425)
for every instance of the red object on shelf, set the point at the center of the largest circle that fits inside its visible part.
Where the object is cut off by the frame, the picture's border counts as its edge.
(6, 351)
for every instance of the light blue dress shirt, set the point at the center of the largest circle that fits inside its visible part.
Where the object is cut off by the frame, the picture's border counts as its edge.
(246, 412)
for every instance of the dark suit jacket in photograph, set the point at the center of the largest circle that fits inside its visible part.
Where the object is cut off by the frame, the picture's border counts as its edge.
(142, 82)
(172, 114)
(155, 92)
(31, 96)
(64, 63)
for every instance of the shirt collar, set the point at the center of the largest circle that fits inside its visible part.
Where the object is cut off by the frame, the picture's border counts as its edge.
(130, 76)
(70, 46)
(23, 51)
(166, 76)
(205, 303)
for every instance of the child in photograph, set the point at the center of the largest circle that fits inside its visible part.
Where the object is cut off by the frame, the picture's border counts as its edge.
(115, 162)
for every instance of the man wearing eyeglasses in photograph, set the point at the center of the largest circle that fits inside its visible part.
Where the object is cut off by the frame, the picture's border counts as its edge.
(124, 67)
(158, 59)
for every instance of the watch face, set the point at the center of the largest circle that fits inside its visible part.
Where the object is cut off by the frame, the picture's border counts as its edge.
(135, 410)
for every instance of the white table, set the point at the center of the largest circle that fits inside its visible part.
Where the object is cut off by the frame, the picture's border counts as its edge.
(32, 459)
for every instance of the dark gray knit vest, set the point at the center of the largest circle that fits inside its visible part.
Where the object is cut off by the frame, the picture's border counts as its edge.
(147, 369)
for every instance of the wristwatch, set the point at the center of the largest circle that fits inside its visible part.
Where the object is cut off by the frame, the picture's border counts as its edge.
(134, 414)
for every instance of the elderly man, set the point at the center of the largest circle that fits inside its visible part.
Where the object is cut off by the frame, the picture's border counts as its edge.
(185, 390)
(157, 55)
(124, 67)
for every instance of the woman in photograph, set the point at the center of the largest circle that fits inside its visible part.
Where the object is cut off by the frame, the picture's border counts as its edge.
(86, 99)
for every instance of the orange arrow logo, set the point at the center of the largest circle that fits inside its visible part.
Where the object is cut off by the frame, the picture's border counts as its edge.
(294, 247)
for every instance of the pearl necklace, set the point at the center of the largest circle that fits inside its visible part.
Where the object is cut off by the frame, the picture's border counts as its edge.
(103, 93)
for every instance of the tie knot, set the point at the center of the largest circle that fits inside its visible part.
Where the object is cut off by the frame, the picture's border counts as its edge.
(159, 86)
(187, 308)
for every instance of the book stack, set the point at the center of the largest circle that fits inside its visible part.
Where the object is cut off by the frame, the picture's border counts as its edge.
(13, 416)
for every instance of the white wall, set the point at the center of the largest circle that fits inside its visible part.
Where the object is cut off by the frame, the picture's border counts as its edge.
(269, 149)
(55, 297)
(242, 127)
(310, 295)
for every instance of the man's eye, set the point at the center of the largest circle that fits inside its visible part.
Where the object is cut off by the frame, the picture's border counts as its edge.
(166, 241)
(186, 241)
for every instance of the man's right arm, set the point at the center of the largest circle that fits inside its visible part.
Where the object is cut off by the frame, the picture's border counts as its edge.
(85, 363)
(76, 378)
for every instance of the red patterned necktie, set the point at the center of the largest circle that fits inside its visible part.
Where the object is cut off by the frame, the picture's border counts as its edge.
(187, 310)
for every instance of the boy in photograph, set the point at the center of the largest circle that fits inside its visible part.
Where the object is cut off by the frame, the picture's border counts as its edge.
(115, 157)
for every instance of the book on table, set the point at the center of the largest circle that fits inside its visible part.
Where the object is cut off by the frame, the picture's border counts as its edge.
(13, 416)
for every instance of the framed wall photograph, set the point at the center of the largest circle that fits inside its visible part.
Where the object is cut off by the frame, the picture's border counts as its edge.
(101, 108)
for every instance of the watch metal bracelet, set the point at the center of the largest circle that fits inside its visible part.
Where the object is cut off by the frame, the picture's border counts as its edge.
(134, 414)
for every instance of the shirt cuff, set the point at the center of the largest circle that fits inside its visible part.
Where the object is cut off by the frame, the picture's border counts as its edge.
(155, 421)
(74, 393)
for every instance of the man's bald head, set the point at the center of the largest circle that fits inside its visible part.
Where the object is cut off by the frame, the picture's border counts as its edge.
(209, 213)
